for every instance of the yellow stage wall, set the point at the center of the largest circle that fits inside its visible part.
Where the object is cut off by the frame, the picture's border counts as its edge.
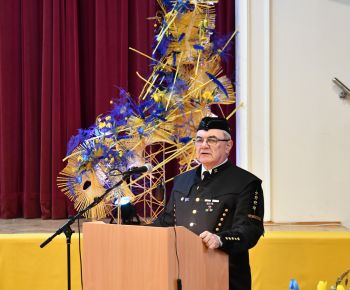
(25, 266)
(278, 257)
(306, 256)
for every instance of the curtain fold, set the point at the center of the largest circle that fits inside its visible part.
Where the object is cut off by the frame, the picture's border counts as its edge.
(61, 62)
(11, 163)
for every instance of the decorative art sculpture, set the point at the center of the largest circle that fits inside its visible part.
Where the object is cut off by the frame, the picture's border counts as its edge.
(187, 79)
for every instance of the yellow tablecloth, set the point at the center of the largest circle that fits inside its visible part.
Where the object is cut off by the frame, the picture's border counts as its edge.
(278, 257)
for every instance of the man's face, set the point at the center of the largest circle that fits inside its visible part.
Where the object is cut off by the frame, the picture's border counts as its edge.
(213, 154)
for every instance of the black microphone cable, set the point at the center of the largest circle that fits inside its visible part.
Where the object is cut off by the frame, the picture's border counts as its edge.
(178, 280)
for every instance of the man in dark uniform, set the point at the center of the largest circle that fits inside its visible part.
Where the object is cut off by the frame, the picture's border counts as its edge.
(219, 201)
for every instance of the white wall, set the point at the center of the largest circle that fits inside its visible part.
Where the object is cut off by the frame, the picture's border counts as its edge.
(294, 129)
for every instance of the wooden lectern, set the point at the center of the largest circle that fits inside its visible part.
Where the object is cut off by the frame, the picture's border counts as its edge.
(121, 257)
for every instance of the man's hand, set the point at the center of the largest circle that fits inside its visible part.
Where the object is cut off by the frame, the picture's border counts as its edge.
(212, 241)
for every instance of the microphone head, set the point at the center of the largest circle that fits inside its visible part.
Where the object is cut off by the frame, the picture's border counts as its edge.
(149, 167)
(146, 168)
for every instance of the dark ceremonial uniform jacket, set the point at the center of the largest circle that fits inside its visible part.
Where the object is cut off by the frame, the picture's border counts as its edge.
(230, 204)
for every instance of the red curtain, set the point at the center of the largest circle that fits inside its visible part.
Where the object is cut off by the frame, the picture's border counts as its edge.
(60, 61)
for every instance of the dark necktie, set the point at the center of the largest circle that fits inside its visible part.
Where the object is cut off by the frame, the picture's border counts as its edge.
(206, 175)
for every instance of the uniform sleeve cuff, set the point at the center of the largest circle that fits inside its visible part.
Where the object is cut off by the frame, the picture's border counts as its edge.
(220, 242)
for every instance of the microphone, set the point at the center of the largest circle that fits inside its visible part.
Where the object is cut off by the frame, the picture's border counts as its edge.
(137, 170)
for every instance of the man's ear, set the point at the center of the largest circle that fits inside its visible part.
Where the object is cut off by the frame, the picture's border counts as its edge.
(229, 146)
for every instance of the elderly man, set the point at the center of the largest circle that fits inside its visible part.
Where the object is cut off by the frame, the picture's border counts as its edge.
(219, 201)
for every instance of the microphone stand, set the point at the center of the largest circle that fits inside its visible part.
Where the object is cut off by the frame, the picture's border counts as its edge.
(67, 230)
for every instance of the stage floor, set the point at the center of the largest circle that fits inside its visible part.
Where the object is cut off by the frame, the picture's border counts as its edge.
(16, 226)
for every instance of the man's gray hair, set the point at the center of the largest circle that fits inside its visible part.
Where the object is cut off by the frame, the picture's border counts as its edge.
(227, 135)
